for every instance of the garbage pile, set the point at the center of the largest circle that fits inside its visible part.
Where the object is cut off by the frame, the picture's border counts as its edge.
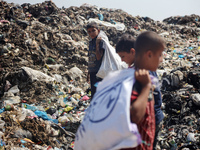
(192, 20)
(43, 69)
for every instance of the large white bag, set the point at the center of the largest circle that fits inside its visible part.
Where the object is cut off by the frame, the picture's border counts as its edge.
(111, 60)
(106, 124)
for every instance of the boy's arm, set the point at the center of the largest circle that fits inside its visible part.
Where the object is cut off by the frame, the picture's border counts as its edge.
(99, 50)
(138, 107)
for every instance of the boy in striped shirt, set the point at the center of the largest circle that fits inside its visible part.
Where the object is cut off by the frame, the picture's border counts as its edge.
(146, 56)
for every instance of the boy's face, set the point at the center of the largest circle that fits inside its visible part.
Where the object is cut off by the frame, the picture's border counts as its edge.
(156, 59)
(93, 32)
(128, 57)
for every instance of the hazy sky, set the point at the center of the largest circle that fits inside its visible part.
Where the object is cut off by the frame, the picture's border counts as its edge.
(155, 9)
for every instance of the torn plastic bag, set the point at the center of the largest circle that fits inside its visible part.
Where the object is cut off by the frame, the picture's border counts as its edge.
(196, 98)
(111, 60)
(35, 75)
(119, 26)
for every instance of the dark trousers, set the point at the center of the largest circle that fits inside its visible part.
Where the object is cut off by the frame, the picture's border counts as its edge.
(93, 80)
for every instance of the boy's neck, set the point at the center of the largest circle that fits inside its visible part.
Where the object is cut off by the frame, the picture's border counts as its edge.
(140, 66)
(141, 63)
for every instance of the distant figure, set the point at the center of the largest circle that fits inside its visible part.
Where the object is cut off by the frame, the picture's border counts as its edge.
(95, 54)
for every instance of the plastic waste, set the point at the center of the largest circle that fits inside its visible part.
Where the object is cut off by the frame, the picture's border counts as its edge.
(9, 107)
(191, 137)
(44, 116)
(7, 86)
(12, 100)
(55, 40)
(112, 21)
(73, 100)
(70, 117)
(37, 75)
(20, 133)
(68, 108)
(85, 98)
(51, 111)
(196, 98)
(100, 17)
(76, 96)
(31, 107)
(2, 123)
(63, 120)
(1, 135)
(118, 26)
(181, 56)
(173, 145)
(60, 111)
(2, 110)
(58, 78)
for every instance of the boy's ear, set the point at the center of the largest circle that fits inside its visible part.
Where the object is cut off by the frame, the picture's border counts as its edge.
(132, 51)
(149, 54)
(98, 30)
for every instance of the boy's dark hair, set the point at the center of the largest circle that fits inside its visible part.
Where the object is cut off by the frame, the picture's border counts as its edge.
(125, 43)
(148, 40)
(92, 25)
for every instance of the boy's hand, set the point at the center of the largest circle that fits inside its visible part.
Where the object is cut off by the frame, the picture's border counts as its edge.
(143, 77)
(98, 40)
(99, 52)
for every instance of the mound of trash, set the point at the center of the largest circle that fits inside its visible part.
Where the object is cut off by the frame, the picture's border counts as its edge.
(43, 69)
(192, 20)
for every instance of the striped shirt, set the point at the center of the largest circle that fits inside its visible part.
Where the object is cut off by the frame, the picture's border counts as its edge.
(146, 126)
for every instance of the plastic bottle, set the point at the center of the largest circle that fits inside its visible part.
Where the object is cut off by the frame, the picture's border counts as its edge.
(173, 145)
(61, 101)
(60, 111)
(73, 100)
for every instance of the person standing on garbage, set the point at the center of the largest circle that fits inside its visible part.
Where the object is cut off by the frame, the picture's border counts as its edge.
(126, 50)
(147, 56)
(95, 55)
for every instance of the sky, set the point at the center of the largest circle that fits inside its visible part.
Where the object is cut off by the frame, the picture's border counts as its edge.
(155, 9)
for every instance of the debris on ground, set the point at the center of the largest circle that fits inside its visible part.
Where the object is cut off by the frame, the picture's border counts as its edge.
(43, 70)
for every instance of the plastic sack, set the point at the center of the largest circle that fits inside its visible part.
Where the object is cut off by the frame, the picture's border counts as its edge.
(111, 60)
(106, 124)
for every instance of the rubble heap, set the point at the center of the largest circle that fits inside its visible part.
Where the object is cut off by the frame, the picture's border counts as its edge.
(43, 68)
